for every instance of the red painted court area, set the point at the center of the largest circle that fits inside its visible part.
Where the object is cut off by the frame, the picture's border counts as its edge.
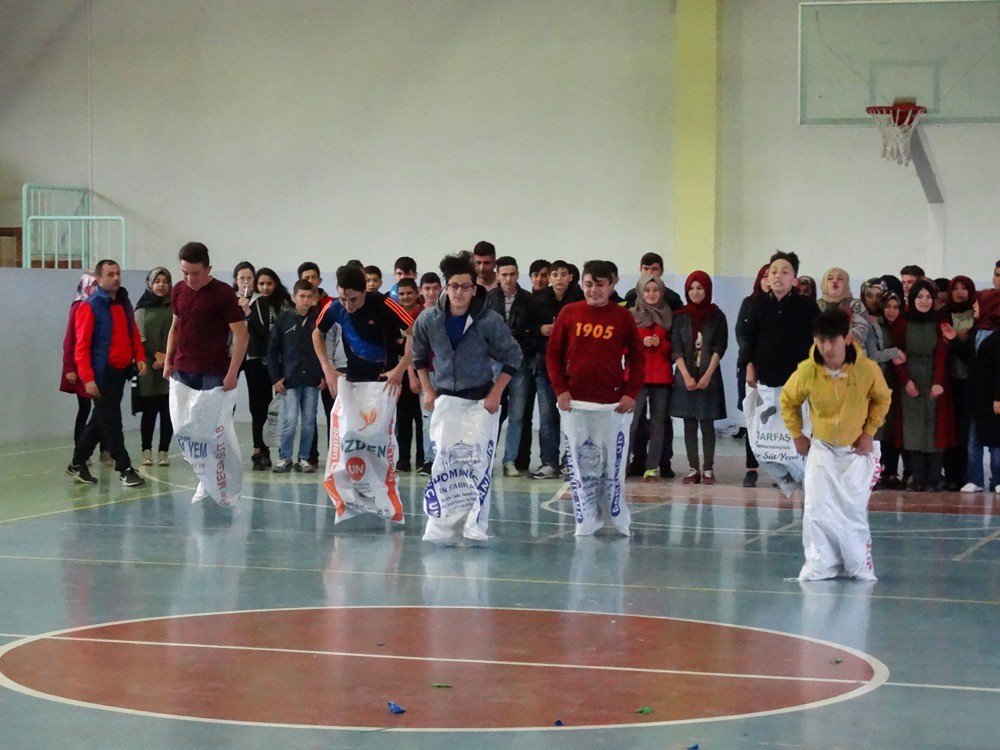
(338, 667)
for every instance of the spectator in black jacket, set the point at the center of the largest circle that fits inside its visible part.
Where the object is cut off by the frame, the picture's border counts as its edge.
(652, 263)
(272, 299)
(296, 373)
(779, 329)
(519, 310)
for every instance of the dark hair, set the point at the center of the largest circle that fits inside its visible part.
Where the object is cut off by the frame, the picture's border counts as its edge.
(506, 260)
(194, 252)
(942, 284)
(997, 265)
(831, 323)
(599, 269)
(374, 270)
(355, 263)
(99, 268)
(280, 294)
(790, 257)
(912, 271)
(307, 266)
(351, 277)
(406, 264)
(242, 266)
(484, 248)
(538, 265)
(614, 267)
(649, 259)
(574, 272)
(430, 278)
(557, 264)
(457, 264)
(406, 281)
(303, 286)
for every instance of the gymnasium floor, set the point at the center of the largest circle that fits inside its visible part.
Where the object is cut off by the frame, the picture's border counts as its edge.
(691, 633)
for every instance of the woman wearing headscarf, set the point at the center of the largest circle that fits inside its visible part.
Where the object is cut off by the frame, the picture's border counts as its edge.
(984, 392)
(70, 382)
(654, 320)
(837, 292)
(892, 308)
(760, 288)
(153, 317)
(927, 426)
(698, 342)
(958, 326)
(806, 287)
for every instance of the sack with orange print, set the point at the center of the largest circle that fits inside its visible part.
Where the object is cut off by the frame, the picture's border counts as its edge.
(361, 466)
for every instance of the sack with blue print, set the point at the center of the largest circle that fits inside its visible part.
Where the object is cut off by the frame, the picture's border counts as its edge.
(597, 454)
(460, 487)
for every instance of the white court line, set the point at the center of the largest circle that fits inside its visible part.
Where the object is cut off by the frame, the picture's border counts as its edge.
(879, 676)
(37, 450)
(765, 534)
(455, 660)
(981, 543)
(970, 688)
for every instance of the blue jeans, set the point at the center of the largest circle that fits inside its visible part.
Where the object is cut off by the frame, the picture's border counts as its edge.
(974, 468)
(517, 397)
(296, 404)
(548, 416)
(428, 443)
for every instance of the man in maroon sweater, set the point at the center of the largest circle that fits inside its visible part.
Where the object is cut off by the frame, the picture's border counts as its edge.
(585, 353)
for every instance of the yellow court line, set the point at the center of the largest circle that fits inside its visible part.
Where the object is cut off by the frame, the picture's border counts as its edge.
(981, 543)
(84, 507)
(494, 579)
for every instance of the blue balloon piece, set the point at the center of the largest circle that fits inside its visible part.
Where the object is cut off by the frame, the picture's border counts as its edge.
(396, 708)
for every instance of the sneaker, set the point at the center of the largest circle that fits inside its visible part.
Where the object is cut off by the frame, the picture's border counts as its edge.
(708, 477)
(403, 467)
(106, 459)
(425, 469)
(750, 479)
(314, 462)
(970, 487)
(666, 472)
(509, 470)
(131, 479)
(521, 464)
(282, 467)
(693, 477)
(545, 472)
(255, 462)
(265, 459)
(634, 470)
(651, 476)
(163, 458)
(81, 474)
(147, 458)
(996, 490)
(305, 467)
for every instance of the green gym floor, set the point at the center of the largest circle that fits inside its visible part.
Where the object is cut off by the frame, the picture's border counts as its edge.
(134, 619)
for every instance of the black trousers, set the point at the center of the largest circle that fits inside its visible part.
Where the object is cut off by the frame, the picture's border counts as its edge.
(408, 415)
(106, 422)
(153, 407)
(261, 392)
(524, 447)
(956, 459)
(639, 450)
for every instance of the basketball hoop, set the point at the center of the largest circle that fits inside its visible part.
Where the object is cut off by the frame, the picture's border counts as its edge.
(896, 123)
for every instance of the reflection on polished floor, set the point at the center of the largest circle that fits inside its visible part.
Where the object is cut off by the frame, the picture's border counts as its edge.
(694, 619)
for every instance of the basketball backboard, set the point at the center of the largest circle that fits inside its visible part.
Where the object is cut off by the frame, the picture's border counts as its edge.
(943, 53)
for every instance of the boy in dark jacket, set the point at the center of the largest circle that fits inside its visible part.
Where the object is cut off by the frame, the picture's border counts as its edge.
(296, 373)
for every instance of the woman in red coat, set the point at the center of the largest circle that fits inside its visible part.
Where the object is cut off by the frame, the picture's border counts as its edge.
(653, 318)
(70, 382)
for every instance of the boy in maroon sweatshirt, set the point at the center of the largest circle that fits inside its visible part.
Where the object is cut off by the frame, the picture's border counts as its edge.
(588, 341)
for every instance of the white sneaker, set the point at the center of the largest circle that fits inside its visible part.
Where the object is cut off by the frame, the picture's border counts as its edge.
(164, 459)
(509, 470)
(305, 467)
(970, 487)
(545, 472)
(147, 458)
(997, 489)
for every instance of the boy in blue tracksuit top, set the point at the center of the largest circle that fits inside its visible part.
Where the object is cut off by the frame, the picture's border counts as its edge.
(296, 372)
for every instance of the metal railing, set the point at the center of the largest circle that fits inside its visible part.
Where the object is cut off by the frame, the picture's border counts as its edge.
(60, 230)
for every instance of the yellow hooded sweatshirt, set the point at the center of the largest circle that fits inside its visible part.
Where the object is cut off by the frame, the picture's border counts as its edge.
(841, 406)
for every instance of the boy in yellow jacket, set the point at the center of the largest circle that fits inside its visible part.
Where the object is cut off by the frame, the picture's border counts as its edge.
(848, 400)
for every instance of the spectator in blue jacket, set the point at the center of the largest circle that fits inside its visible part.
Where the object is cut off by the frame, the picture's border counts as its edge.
(296, 373)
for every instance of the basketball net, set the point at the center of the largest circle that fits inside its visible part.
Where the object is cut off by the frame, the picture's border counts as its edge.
(896, 123)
